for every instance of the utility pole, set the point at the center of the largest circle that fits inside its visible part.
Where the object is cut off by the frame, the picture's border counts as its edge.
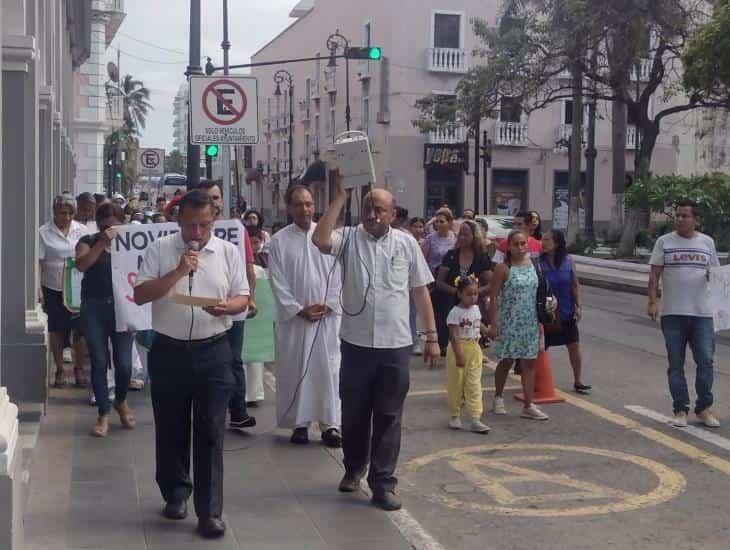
(477, 154)
(487, 157)
(226, 153)
(193, 168)
(591, 154)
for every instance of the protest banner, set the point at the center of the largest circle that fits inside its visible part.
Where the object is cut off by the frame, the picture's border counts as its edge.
(258, 345)
(720, 297)
(128, 250)
(72, 286)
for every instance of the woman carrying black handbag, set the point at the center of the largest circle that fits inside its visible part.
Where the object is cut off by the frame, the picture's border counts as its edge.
(558, 268)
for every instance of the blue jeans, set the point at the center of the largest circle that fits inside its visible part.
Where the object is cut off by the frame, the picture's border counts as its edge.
(98, 325)
(238, 396)
(699, 333)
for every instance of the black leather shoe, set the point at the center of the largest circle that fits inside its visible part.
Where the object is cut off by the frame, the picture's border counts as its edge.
(351, 482)
(332, 438)
(300, 436)
(386, 500)
(176, 509)
(211, 528)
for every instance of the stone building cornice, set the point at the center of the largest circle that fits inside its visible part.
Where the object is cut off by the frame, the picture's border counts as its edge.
(19, 51)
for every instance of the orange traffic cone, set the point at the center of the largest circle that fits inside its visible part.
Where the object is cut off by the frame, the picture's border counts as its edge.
(544, 388)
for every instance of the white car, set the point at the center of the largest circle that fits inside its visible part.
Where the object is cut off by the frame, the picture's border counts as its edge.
(499, 226)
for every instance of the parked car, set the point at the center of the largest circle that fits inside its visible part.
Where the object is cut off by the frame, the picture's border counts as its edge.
(499, 226)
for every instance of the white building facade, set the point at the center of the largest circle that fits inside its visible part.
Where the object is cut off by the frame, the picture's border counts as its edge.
(94, 111)
(44, 42)
(427, 47)
(180, 119)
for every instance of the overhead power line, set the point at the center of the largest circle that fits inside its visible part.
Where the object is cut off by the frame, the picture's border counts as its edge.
(152, 45)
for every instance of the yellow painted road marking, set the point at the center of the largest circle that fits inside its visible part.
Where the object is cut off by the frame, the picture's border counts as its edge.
(473, 463)
(670, 442)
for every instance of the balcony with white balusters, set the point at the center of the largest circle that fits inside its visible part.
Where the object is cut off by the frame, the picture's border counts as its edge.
(447, 60)
(448, 133)
(510, 134)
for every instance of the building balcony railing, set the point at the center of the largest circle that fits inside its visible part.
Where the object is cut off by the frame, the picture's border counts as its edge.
(450, 133)
(644, 70)
(564, 133)
(631, 136)
(447, 60)
(512, 134)
(116, 13)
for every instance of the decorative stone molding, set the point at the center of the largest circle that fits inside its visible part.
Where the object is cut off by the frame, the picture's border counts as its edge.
(57, 118)
(8, 431)
(19, 51)
(46, 97)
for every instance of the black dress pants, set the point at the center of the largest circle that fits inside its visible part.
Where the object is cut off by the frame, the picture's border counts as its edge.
(373, 388)
(191, 382)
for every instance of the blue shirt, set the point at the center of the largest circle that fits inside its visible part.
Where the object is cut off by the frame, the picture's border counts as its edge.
(561, 284)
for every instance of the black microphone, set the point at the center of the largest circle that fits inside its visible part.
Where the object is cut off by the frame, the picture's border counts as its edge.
(194, 246)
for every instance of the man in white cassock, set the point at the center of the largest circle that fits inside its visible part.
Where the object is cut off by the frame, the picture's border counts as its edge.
(306, 287)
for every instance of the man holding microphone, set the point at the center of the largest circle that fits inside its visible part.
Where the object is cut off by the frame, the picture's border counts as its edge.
(380, 266)
(190, 360)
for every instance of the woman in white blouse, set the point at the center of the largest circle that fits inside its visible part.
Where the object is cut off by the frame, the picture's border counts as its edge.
(57, 241)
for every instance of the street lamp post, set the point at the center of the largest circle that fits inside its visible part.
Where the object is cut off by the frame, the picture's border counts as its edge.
(284, 76)
(335, 42)
(193, 167)
(226, 152)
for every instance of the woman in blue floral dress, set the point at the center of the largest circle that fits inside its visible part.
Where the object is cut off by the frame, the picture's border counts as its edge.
(513, 316)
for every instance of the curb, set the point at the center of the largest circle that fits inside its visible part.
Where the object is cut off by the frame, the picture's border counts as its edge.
(630, 288)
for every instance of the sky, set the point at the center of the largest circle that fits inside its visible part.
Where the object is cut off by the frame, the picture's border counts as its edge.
(153, 40)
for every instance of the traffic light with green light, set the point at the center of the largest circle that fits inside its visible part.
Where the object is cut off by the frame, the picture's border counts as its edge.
(211, 150)
(373, 53)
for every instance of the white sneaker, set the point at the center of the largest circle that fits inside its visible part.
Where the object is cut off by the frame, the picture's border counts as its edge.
(418, 348)
(136, 384)
(455, 423)
(680, 419)
(67, 357)
(498, 406)
(533, 413)
(479, 427)
(708, 419)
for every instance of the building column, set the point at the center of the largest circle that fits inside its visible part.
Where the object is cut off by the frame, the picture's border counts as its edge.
(18, 51)
(45, 146)
(23, 353)
(56, 145)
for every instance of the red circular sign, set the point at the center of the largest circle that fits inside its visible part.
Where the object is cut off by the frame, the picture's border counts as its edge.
(150, 159)
(237, 114)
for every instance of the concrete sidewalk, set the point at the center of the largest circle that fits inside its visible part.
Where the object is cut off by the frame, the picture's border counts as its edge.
(613, 274)
(87, 493)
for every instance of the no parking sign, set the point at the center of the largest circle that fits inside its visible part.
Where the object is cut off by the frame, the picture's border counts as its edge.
(224, 110)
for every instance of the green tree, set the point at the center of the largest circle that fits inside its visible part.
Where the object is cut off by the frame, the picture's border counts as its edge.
(135, 108)
(605, 42)
(706, 58)
(711, 192)
(175, 162)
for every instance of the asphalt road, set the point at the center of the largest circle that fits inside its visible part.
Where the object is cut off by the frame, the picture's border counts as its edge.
(597, 474)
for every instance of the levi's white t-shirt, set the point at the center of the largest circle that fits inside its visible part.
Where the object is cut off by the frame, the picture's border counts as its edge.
(468, 321)
(685, 279)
